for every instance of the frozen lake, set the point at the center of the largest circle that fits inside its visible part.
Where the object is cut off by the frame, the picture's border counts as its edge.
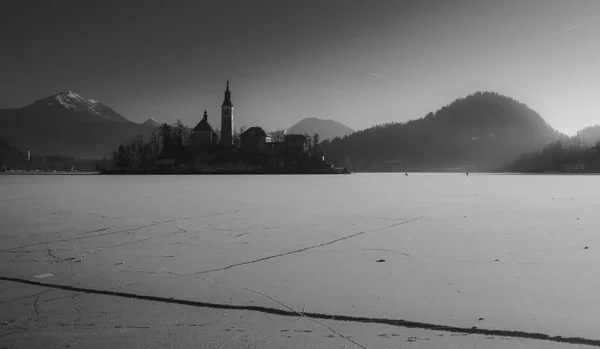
(506, 252)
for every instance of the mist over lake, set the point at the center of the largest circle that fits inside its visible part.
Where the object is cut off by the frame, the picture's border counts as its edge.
(514, 252)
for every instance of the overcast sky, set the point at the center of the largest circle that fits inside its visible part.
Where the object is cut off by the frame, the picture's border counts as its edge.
(359, 62)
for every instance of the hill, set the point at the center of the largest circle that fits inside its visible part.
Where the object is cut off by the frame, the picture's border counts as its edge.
(68, 124)
(590, 134)
(327, 129)
(480, 132)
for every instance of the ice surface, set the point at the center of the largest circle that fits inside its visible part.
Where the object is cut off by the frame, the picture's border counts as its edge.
(506, 248)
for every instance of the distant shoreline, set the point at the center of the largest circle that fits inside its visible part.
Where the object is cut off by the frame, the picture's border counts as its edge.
(229, 173)
(90, 173)
(41, 173)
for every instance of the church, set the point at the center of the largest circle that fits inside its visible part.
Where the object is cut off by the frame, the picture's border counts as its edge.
(252, 140)
(202, 150)
(253, 146)
(205, 136)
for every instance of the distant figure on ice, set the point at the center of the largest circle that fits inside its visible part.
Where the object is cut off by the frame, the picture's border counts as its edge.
(406, 174)
(467, 173)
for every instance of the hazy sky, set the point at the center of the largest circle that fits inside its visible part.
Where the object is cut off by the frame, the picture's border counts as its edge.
(358, 62)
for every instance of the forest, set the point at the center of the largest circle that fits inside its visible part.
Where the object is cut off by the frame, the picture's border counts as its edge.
(579, 153)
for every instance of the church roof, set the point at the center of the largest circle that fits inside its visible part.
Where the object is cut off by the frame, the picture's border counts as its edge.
(203, 125)
(255, 132)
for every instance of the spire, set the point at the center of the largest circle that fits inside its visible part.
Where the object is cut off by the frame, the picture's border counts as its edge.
(227, 100)
(205, 116)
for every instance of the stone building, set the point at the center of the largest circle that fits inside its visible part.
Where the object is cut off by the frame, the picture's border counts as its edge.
(254, 141)
(203, 134)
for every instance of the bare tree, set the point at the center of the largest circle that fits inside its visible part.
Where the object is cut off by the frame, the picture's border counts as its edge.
(126, 155)
(308, 142)
(315, 144)
(278, 136)
(178, 133)
(188, 137)
(142, 150)
(316, 139)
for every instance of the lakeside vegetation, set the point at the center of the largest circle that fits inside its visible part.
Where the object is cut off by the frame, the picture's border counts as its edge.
(173, 149)
(17, 161)
(579, 154)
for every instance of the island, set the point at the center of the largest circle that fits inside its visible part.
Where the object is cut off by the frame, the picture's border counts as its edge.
(176, 149)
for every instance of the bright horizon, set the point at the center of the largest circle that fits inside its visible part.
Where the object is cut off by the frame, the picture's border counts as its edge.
(358, 63)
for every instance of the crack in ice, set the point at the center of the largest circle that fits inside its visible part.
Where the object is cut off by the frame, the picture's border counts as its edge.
(306, 248)
(12, 249)
(301, 314)
(334, 317)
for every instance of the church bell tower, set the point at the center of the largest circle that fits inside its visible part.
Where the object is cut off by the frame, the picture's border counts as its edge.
(227, 119)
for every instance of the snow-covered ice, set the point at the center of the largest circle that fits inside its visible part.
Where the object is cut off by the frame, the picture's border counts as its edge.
(504, 252)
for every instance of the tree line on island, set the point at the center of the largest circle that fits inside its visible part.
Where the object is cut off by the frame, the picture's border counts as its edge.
(176, 142)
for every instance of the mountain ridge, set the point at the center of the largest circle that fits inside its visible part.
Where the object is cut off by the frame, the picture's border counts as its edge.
(69, 124)
(482, 131)
(75, 103)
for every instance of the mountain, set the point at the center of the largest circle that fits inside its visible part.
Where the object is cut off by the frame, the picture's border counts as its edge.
(480, 132)
(327, 129)
(152, 122)
(68, 124)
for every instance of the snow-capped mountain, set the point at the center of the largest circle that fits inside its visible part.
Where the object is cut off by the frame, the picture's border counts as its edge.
(68, 124)
(75, 103)
(152, 122)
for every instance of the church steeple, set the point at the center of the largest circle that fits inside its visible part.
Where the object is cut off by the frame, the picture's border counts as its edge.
(227, 100)
(227, 130)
